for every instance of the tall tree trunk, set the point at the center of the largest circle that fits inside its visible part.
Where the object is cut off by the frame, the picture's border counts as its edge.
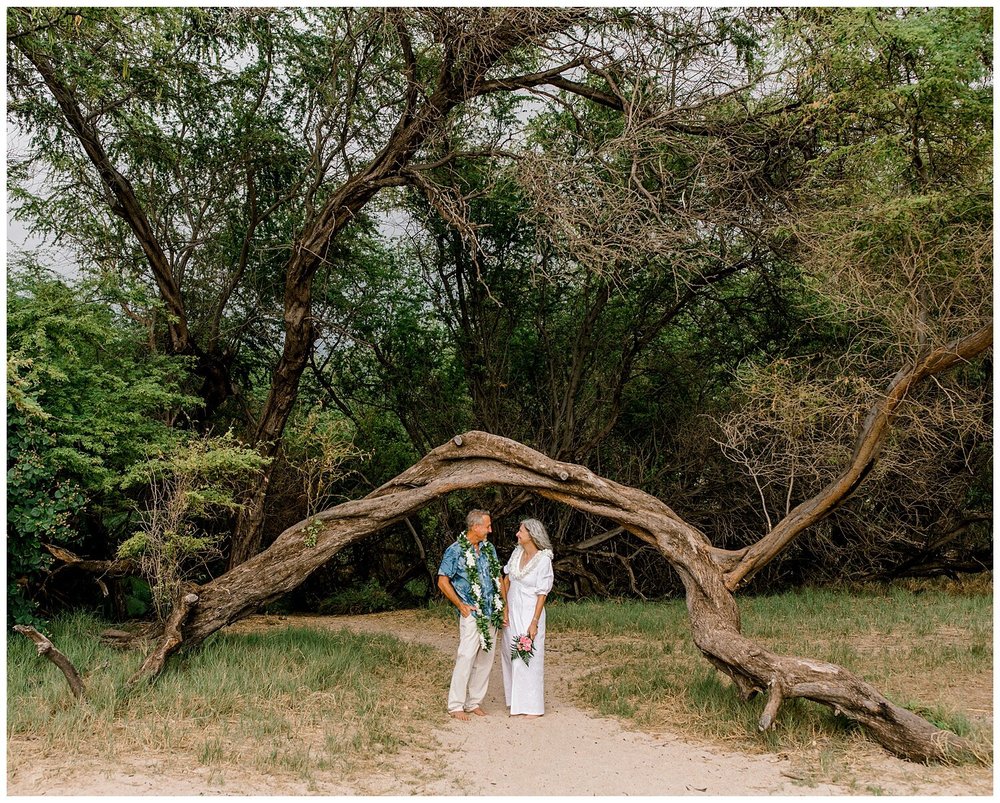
(300, 333)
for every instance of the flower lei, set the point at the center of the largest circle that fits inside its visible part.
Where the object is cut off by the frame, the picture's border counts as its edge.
(496, 618)
(514, 570)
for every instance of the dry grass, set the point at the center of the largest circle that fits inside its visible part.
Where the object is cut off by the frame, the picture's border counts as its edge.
(310, 702)
(292, 701)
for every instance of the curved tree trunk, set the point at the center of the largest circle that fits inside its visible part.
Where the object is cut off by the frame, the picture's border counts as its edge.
(477, 460)
(416, 123)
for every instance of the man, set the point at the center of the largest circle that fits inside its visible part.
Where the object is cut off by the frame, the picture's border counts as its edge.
(469, 576)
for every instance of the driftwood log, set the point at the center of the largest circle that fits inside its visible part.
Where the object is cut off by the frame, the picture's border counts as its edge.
(48, 649)
(709, 574)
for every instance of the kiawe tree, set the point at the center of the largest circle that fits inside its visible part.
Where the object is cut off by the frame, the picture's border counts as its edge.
(710, 173)
(370, 89)
(893, 227)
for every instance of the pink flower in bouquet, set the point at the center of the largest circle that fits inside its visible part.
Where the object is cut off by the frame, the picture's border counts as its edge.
(523, 647)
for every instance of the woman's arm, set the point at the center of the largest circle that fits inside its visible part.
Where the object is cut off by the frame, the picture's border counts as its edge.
(504, 585)
(539, 607)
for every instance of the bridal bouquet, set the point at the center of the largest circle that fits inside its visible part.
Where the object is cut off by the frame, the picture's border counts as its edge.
(523, 648)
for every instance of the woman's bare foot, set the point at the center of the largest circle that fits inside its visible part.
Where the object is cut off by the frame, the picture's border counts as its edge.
(459, 715)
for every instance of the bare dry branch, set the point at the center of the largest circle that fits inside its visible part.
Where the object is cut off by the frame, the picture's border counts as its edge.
(48, 649)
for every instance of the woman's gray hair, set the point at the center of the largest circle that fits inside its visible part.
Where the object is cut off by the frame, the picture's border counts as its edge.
(537, 532)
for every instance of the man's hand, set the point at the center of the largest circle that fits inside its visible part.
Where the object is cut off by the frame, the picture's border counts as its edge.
(449, 591)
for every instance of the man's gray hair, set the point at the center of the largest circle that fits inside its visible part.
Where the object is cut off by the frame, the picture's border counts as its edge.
(473, 517)
(537, 532)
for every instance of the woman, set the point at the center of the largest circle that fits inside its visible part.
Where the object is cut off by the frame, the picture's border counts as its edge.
(526, 583)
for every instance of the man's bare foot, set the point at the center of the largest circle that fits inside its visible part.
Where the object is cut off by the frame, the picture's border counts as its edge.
(478, 712)
(459, 715)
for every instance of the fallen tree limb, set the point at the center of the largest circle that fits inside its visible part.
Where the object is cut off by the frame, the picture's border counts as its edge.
(109, 568)
(170, 641)
(596, 540)
(48, 649)
(126, 639)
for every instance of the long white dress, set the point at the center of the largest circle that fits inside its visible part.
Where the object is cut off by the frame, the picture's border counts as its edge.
(523, 684)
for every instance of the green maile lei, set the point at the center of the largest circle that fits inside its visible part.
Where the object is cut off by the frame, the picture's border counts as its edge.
(472, 570)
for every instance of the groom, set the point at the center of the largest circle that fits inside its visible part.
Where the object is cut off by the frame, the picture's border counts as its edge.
(469, 576)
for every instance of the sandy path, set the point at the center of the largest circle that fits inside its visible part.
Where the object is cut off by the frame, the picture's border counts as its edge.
(566, 752)
(570, 752)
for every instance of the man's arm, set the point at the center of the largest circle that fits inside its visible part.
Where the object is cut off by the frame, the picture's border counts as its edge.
(449, 591)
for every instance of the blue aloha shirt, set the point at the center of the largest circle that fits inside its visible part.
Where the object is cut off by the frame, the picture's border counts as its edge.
(453, 567)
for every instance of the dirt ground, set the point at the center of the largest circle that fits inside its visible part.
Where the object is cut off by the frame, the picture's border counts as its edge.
(566, 752)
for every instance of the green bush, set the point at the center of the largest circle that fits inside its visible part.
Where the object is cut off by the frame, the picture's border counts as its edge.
(86, 401)
(367, 598)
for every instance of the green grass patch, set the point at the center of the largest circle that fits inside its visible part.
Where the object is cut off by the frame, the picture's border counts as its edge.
(297, 699)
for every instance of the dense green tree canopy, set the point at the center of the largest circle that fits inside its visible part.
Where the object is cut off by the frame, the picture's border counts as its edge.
(687, 247)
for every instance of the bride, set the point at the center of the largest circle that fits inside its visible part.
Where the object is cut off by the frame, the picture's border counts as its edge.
(526, 583)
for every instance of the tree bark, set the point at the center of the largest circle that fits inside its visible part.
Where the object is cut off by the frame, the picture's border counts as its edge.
(170, 641)
(476, 460)
(48, 649)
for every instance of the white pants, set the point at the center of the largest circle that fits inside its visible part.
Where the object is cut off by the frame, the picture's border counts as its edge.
(471, 675)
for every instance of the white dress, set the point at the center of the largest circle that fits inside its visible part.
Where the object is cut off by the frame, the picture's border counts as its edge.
(523, 684)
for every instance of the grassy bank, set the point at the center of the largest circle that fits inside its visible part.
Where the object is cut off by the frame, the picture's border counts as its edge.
(927, 647)
(296, 700)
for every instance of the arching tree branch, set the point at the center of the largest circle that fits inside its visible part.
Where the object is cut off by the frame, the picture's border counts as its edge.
(478, 459)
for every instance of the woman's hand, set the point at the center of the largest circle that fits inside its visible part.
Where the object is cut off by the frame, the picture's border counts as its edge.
(533, 630)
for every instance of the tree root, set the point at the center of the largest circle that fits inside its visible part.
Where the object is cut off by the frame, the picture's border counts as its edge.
(900, 731)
